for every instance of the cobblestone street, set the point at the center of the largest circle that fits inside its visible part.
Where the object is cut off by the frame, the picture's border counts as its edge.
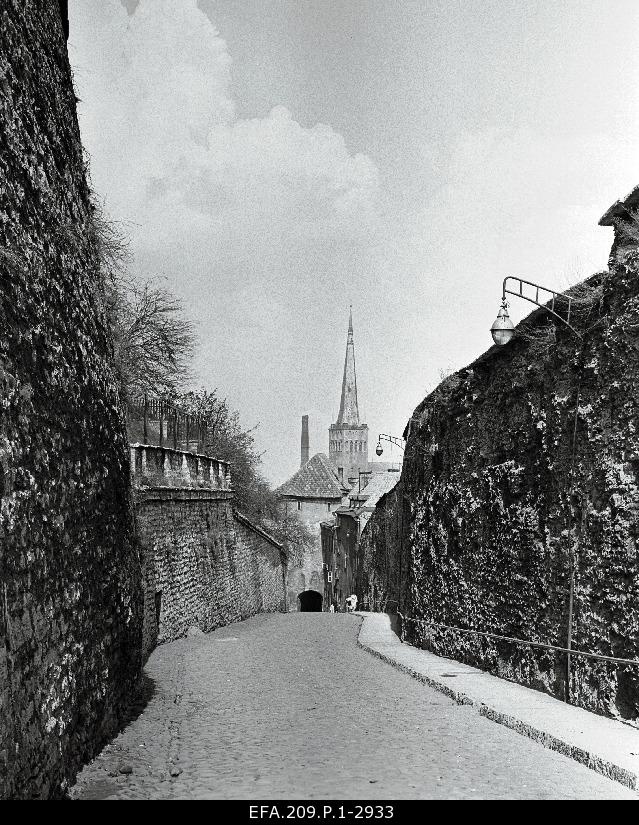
(288, 707)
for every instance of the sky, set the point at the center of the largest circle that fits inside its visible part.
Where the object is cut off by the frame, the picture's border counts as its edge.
(274, 161)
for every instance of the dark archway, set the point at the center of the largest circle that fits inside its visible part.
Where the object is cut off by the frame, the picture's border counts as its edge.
(310, 601)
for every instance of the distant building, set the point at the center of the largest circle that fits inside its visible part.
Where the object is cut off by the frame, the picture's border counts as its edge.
(347, 438)
(312, 494)
(322, 485)
(340, 537)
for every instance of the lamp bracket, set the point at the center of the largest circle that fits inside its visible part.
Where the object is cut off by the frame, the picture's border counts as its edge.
(553, 299)
(398, 442)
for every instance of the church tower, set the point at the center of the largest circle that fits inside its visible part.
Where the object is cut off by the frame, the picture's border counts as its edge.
(348, 439)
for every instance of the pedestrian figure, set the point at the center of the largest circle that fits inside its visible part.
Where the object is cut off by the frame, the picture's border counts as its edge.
(331, 609)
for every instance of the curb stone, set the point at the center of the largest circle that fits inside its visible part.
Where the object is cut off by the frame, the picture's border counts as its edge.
(605, 767)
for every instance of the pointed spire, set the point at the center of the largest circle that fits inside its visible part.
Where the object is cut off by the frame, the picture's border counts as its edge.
(348, 409)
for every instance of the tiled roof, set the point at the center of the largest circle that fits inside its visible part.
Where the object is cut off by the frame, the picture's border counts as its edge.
(379, 485)
(316, 479)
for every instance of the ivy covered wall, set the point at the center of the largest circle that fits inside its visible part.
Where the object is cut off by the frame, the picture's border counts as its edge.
(518, 467)
(71, 594)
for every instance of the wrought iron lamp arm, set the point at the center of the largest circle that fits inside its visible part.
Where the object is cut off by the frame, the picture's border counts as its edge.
(553, 296)
(393, 440)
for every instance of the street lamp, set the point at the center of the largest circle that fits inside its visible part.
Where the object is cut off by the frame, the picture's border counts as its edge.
(503, 328)
(393, 440)
(502, 331)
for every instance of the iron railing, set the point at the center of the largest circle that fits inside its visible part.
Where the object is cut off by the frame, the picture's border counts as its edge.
(163, 423)
(513, 640)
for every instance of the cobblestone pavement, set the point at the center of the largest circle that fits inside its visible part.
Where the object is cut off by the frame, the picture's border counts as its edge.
(288, 707)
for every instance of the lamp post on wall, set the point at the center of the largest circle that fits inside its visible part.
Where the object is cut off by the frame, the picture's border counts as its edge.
(392, 439)
(559, 305)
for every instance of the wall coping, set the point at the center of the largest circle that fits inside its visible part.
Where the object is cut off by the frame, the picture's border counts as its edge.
(179, 452)
(182, 494)
(155, 467)
(243, 520)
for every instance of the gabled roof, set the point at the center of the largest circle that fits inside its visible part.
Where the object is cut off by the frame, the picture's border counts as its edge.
(316, 479)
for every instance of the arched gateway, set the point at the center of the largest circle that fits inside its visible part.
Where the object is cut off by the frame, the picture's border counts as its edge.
(310, 601)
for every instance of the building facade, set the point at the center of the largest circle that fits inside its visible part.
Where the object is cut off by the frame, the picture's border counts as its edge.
(311, 495)
(341, 537)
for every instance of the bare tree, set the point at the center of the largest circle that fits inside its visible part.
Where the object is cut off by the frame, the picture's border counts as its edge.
(153, 340)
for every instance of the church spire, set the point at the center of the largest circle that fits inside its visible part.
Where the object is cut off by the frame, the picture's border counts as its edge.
(348, 410)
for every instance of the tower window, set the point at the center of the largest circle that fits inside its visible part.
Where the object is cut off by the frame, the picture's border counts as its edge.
(299, 505)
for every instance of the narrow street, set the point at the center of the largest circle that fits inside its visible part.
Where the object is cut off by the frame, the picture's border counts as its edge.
(289, 707)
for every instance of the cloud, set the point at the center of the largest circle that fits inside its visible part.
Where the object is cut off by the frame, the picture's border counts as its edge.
(170, 155)
(256, 223)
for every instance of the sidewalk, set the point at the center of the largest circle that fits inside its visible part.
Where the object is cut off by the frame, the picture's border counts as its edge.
(607, 746)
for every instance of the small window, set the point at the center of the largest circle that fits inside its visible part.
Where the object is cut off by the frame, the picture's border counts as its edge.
(328, 505)
(330, 575)
(299, 505)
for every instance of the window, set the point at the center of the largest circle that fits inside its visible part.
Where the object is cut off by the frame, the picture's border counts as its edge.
(340, 473)
(328, 506)
(299, 505)
(330, 576)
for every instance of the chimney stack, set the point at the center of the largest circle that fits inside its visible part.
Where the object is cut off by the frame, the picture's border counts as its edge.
(304, 440)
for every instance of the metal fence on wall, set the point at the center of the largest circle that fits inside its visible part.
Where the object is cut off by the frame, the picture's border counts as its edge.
(155, 421)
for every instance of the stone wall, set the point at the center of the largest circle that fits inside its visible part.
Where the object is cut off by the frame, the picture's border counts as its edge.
(380, 555)
(70, 601)
(308, 575)
(518, 467)
(205, 565)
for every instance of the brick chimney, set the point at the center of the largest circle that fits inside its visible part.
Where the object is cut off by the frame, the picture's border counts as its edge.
(304, 440)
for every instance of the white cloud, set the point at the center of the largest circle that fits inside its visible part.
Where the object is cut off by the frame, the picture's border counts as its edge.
(254, 222)
(168, 152)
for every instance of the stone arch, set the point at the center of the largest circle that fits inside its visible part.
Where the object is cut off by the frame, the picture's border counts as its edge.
(310, 601)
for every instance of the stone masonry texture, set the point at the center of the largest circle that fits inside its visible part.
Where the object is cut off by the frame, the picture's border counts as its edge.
(70, 600)
(205, 565)
(527, 457)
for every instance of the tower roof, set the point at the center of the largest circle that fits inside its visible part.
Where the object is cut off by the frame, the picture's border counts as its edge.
(316, 479)
(348, 409)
